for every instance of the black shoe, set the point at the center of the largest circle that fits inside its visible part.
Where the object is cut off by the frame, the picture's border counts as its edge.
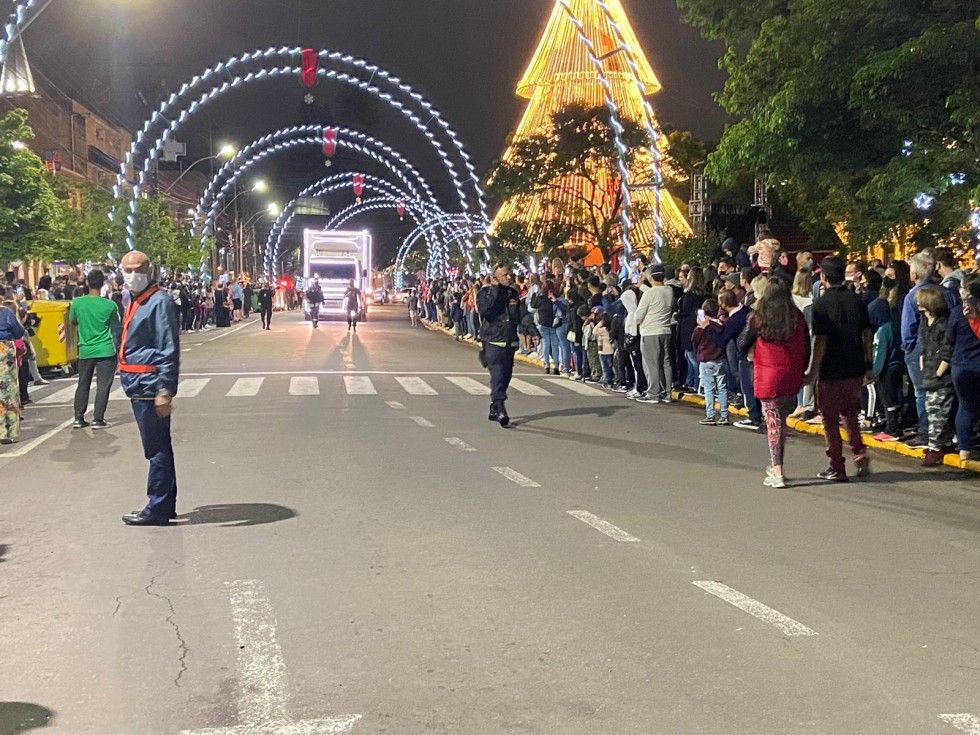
(100, 425)
(918, 441)
(494, 412)
(832, 476)
(504, 419)
(143, 518)
(79, 424)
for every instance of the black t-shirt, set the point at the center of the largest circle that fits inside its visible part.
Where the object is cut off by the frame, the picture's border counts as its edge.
(841, 316)
(266, 295)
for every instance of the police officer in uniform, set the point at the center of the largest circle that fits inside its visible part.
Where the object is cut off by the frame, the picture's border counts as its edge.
(499, 307)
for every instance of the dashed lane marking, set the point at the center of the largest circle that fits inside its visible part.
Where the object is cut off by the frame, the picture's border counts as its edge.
(516, 477)
(964, 722)
(528, 389)
(576, 387)
(304, 386)
(396, 405)
(416, 386)
(455, 441)
(473, 387)
(359, 385)
(424, 423)
(613, 532)
(756, 609)
(246, 387)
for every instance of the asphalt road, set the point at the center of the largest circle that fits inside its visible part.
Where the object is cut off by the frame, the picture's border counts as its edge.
(361, 551)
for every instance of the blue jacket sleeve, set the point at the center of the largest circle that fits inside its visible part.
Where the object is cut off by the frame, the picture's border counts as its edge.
(910, 323)
(167, 329)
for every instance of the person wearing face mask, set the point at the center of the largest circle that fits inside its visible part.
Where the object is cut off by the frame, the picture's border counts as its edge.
(500, 313)
(149, 368)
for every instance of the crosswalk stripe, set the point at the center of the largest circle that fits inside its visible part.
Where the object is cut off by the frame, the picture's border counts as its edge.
(118, 395)
(576, 387)
(65, 395)
(473, 387)
(416, 387)
(246, 387)
(191, 387)
(304, 386)
(359, 385)
(528, 389)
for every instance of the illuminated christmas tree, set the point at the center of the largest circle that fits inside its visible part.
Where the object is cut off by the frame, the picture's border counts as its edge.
(561, 74)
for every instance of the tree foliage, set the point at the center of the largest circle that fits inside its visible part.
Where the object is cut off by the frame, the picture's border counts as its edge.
(853, 108)
(579, 142)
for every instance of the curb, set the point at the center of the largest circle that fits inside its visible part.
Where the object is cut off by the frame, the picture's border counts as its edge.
(801, 427)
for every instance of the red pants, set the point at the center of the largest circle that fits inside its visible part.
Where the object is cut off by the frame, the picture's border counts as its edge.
(837, 398)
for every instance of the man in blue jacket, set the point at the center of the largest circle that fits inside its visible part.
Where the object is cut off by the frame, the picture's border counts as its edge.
(149, 368)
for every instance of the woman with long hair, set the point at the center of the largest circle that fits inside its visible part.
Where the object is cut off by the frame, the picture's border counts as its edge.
(896, 285)
(688, 305)
(782, 355)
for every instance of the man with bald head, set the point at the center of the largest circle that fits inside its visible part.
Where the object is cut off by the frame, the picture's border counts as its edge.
(149, 367)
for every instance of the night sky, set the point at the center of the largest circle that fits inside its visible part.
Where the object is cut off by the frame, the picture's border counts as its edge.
(465, 56)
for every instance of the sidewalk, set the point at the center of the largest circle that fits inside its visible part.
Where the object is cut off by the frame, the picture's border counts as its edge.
(797, 425)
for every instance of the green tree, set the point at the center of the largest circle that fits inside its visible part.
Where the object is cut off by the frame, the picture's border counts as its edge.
(29, 210)
(578, 143)
(853, 108)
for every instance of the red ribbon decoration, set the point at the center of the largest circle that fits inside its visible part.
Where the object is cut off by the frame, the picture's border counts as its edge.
(329, 142)
(309, 66)
(401, 210)
(358, 185)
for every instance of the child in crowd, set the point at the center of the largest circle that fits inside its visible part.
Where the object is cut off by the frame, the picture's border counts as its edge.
(711, 358)
(936, 376)
(592, 346)
(606, 350)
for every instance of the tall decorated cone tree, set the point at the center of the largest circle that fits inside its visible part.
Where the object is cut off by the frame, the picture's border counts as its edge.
(579, 204)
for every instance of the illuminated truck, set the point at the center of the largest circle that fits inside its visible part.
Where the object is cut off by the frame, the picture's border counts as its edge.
(335, 258)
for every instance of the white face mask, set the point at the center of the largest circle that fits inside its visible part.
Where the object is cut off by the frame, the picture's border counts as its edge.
(136, 282)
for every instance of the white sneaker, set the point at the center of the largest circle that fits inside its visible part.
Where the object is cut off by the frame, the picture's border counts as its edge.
(776, 481)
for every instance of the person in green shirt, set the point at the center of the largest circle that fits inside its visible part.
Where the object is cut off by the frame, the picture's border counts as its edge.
(98, 339)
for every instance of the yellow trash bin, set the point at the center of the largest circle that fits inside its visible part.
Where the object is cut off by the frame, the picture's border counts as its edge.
(51, 351)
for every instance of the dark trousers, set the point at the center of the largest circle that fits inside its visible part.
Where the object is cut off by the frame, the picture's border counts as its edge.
(837, 398)
(24, 377)
(746, 378)
(104, 369)
(500, 362)
(267, 316)
(161, 483)
(967, 385)
(315, 313)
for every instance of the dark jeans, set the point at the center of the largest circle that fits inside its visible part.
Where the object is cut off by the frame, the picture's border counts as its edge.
(967, 385)
(315, 314)
(837, 398)
(104, 369)
(266, 316)
(746, 378)
(500, 362)
(161, 483)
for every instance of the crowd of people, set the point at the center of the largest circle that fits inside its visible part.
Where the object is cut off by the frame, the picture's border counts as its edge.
(890, 349)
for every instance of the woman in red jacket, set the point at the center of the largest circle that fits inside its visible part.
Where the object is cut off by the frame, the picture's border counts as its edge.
(782, 355)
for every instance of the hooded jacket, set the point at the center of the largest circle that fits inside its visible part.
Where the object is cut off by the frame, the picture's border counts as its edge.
(629, 302)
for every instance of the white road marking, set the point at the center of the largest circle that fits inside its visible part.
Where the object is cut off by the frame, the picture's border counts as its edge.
(262, 672)
(65, 395)
(23, 449)
(455, 441)
(244, 373)
(965, 722)
(359, 385)
(246, 387)
(232, 331)
(424, 423)
(304, 386)
(191, 387)
(576, 387)
(756, 609)
(516, 477)
(613, 532)
(416, 386)
(396, 405)
(186, 349)
(118, 395)
(473, 387)
(528, 389)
